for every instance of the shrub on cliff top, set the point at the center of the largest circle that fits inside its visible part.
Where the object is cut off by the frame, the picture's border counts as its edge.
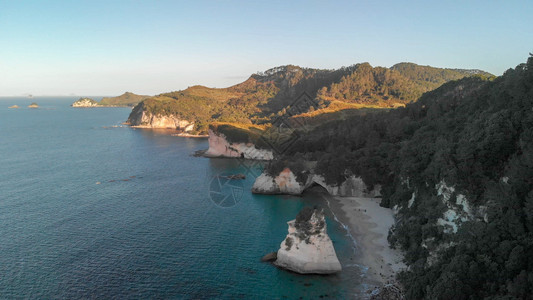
(303, 225)
(304, 215)
(239, 133)
(295, 164)
(288, 243)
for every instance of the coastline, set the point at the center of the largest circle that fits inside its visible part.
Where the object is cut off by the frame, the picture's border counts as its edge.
(98, 106)
(191, 135)
(171, 131)
(369, 224)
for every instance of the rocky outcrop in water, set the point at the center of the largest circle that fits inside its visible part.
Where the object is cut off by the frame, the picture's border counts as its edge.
(219, 146)
(286, 183)
(142, 118)
(85, 102)
(307, 249)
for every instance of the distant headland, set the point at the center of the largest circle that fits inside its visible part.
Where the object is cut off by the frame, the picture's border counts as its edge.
(125, 100)
(295, 94)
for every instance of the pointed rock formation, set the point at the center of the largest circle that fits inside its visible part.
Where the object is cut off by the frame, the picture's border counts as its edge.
(307, 249)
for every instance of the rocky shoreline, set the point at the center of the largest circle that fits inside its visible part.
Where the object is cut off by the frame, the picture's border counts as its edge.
(286, 182)
(219, 146)
(352, 201)
(190, 135)
(142, 118)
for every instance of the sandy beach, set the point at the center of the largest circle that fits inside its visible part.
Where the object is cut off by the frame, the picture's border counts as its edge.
(369, 224)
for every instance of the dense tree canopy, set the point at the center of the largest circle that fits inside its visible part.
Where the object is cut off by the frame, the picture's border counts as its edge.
(278, 92)
(475, 135)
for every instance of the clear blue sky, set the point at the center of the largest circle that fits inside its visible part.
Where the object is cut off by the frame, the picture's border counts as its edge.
(150, 47)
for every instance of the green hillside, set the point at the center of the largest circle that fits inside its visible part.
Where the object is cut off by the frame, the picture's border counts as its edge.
(126, 99)
(431, 77)
(403, 83)
(475, 135)
(275, 92)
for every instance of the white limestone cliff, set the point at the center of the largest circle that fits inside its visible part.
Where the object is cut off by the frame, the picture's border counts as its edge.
(307, 249)
(286, 183)
(458, 212)
(219, 146)
(141, 118)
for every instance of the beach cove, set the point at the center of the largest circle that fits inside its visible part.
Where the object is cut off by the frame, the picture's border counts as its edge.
(369, 225)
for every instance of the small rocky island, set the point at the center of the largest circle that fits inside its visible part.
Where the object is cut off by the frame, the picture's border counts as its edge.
(33, 105)
(14, 106)
(85, 102)
(307, 249)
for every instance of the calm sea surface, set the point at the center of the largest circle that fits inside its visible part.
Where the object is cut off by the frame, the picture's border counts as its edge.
(90, 208)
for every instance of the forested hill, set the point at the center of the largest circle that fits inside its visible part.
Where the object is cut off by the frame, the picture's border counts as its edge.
(271, 93)
(126, 99)
(457, 166)
(432, 77)
(402, 83)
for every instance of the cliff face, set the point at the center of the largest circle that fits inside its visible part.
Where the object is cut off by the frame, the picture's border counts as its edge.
(219, 146)
(286, 183)
(142, 118)
(307, 249)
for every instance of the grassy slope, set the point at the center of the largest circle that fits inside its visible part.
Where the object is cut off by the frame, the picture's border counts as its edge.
(267, 96)
(126, 99)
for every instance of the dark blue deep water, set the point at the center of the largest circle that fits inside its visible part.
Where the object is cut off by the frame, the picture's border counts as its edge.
(90, 208)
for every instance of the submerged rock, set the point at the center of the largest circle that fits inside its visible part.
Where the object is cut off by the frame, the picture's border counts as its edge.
(235, 176)
(272, 256)
(307, 249)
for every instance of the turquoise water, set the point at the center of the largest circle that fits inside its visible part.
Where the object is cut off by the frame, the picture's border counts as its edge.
(90, 208)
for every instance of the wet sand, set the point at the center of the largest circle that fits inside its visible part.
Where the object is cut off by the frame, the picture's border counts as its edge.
(369, 224)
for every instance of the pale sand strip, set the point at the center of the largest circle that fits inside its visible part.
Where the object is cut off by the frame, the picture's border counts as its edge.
(369, 224)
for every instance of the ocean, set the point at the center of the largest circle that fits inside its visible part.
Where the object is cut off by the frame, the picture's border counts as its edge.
(91, 208)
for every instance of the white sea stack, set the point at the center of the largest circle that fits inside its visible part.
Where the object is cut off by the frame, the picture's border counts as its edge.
(307, 249)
